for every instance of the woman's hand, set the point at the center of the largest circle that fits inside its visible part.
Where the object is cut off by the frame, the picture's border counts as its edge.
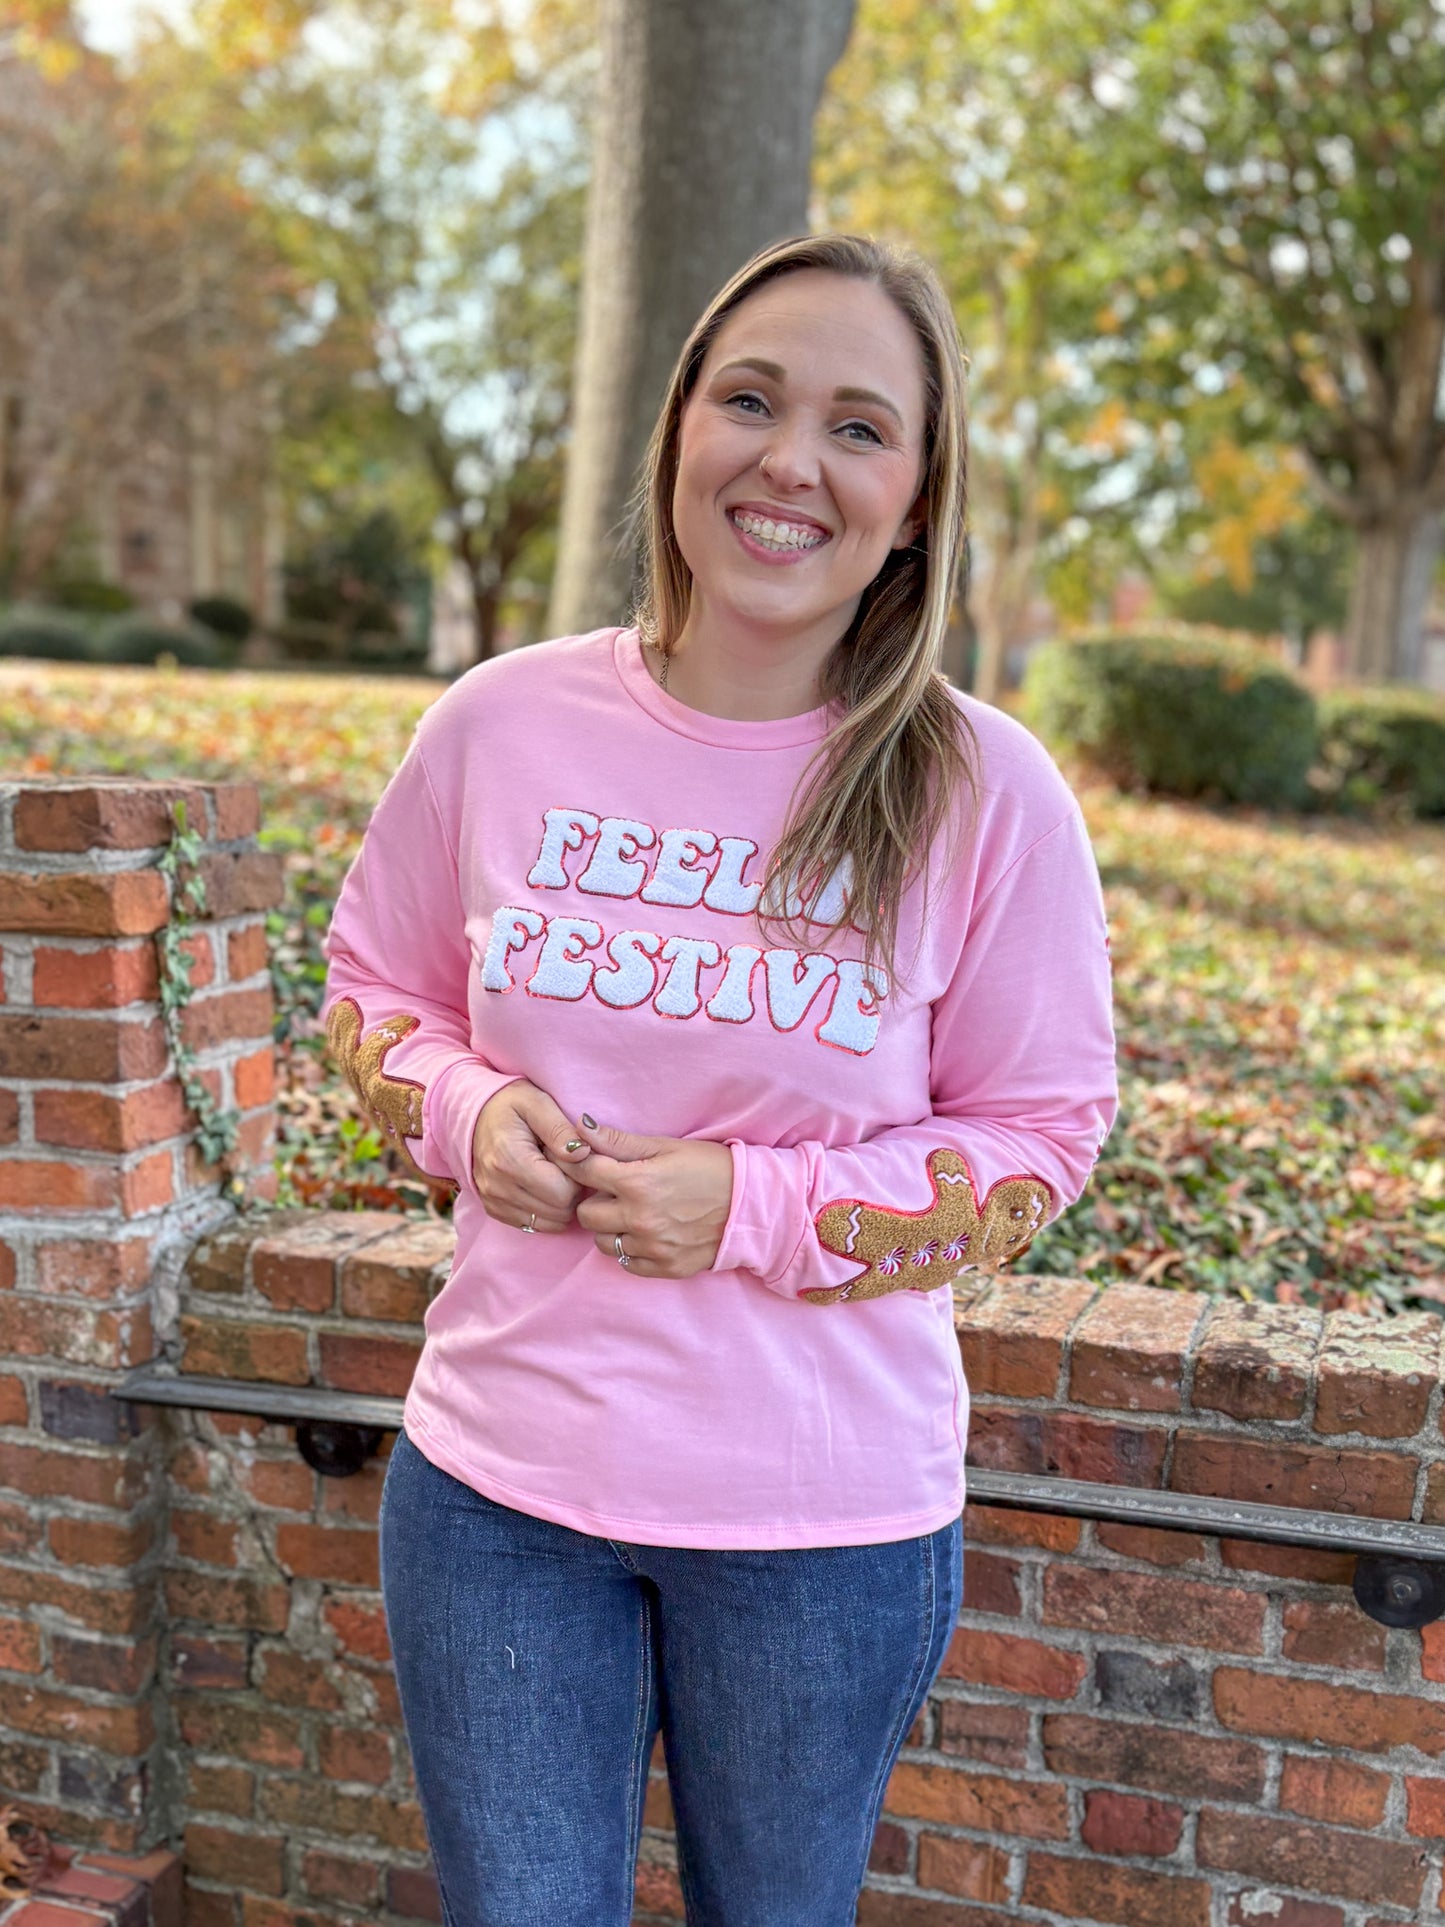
(667, 1198)
(522, 1149)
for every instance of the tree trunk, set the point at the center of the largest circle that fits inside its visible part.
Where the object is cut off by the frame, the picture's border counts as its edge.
(1395, 567)
(702, 152)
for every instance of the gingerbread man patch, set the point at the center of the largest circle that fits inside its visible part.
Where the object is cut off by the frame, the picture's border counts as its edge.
(920, 1250)
(394, 1102)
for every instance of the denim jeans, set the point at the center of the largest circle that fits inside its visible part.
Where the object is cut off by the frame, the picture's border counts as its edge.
(536, 1665)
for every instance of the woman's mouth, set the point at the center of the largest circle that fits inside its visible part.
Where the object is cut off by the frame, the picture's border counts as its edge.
(776, 536)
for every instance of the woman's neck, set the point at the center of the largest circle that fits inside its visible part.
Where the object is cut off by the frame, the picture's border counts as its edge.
(752, 677)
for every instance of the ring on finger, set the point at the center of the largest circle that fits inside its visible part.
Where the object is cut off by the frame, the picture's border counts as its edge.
(624, 1258)
(531, 1224)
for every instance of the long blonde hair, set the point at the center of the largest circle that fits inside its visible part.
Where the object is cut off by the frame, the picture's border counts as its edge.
(877, 793)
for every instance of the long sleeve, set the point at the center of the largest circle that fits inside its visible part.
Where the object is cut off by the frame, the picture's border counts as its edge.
(1023, 1088)
(399, 964)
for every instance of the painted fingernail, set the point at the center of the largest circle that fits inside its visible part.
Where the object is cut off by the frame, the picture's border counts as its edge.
(590, 1122)
(573, 1144)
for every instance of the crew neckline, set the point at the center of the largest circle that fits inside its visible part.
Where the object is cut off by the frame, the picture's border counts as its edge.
(722, 732)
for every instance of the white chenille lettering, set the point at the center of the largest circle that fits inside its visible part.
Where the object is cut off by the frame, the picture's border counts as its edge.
(512, 929)
(611, 873)
(562, 971)
(561, 830)
(632, 977)
(687, 956)
(789, 995)
(732, 1001)
(676, 881)
(853, 1021)
(726, 890)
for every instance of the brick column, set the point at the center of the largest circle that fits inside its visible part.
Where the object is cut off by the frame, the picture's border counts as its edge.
(102, 1192)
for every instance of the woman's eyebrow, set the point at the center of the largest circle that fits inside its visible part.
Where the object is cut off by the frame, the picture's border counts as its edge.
(775, 373)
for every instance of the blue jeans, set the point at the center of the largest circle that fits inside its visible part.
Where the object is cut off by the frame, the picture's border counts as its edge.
(536, 1664)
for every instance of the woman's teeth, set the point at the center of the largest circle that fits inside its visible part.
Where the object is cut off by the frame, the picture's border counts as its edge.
(779, 535)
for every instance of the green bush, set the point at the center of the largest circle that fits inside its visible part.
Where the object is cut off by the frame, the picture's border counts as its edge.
(1187, 712)
(90, 596)
(44, 633)
(224, 615)
(1383, 744)
(142, 639)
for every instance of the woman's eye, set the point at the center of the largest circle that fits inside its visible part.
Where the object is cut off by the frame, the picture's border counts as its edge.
(744, 400)
(868, 431)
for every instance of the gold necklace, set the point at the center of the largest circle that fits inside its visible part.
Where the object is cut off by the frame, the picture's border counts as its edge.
(666, 663)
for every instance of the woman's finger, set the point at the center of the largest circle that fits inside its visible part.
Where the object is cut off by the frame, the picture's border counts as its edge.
(635, 1267)
(599, 1213)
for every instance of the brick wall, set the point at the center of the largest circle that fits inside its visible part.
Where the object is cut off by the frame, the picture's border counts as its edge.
(1133, 1727)
(102, 1194)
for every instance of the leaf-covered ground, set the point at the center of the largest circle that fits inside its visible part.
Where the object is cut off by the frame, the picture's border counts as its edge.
(1280, 991)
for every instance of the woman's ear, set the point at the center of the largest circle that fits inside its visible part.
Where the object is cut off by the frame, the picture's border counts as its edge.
(913, 524)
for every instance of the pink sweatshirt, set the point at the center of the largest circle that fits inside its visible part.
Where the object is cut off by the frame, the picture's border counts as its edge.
(559, 883)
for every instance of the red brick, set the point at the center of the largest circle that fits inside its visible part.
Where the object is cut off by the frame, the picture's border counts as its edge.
(81, 1884)
(217, 1599)
(296, 1267)
(1130, 1823)
(1129, 1895)
(287, 1485)
(225, 1016)
(1425, 1808)
(1023, 1666)
(89, 1050)
(238, 881)
(247, 952)
(13, 1411)
(203, 1537)
(129, 813)
(997, 1735)
(996, 1525)
(61, 1716)
(104, 1609)
(149, 1185)
(1160, 1758)
(232, 1348)
(221, 1789)
(101, 1121)
(1151, 1543)
(39, 1184)
(964, 1867)
(1288, 1562)
(107, 1665)
(1322, 1860)
(359, 1627)
(20, 1530)
(991, 1584)
(110, 1478)
(102, 979)
(656, 1891)
(398, 1276)
(217, 1662)
(1130, 1346)
(264, 1735)
(95, 1542)
(1326, 1715)
(1012, 1336)
(235, 811)
(328, 1552)
(1149, 1606)
(254, 1078)
(352, 1362)
(353, 1753)
(39, 1327)
(241, 1859)
(122, 903)
(20, 1650)
(1313, 1477)
(323, 1808)
(1261, 1908)
(1256, 1361)
(1099, 1451)
(1036, 1810)
(356, 1883)
(1325, 1633)
(1333, 1790)
(9, 1134)
(358, 1497)
(877, 1909)
(1375, 1374)
(94, 1267)
(295, 1679)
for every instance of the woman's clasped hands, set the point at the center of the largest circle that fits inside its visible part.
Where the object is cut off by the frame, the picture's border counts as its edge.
(665, 1198)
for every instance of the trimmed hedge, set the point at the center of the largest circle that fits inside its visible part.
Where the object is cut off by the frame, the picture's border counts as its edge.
(224, 615)
(46, 634)
(141, 639)
(1383, 744)
(1186, 713)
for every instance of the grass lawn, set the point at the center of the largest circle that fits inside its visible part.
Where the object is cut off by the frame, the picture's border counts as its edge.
(1280, 991)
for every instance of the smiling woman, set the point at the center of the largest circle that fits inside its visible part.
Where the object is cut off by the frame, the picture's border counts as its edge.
(751, 985)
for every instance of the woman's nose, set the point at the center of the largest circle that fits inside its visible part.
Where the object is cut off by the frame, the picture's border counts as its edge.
(791, 459)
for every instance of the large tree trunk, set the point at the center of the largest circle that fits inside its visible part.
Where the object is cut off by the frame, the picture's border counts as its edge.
(702, 151)
(1395, 564)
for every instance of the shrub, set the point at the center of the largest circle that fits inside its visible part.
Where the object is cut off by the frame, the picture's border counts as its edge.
(90, 596)
(1186, 712)
(44, 633)
(142, 639)
(1384, 744)
(224, 616)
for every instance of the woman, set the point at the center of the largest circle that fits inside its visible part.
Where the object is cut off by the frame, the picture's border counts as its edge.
(751, 985)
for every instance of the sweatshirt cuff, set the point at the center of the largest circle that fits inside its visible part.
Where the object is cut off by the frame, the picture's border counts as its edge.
(763, 1229)
(449, 1118)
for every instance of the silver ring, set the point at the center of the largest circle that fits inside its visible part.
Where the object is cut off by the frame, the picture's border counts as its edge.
(530, 1226)
(624, 1258)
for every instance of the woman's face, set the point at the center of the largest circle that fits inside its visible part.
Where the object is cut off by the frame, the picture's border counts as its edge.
(800, 456)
